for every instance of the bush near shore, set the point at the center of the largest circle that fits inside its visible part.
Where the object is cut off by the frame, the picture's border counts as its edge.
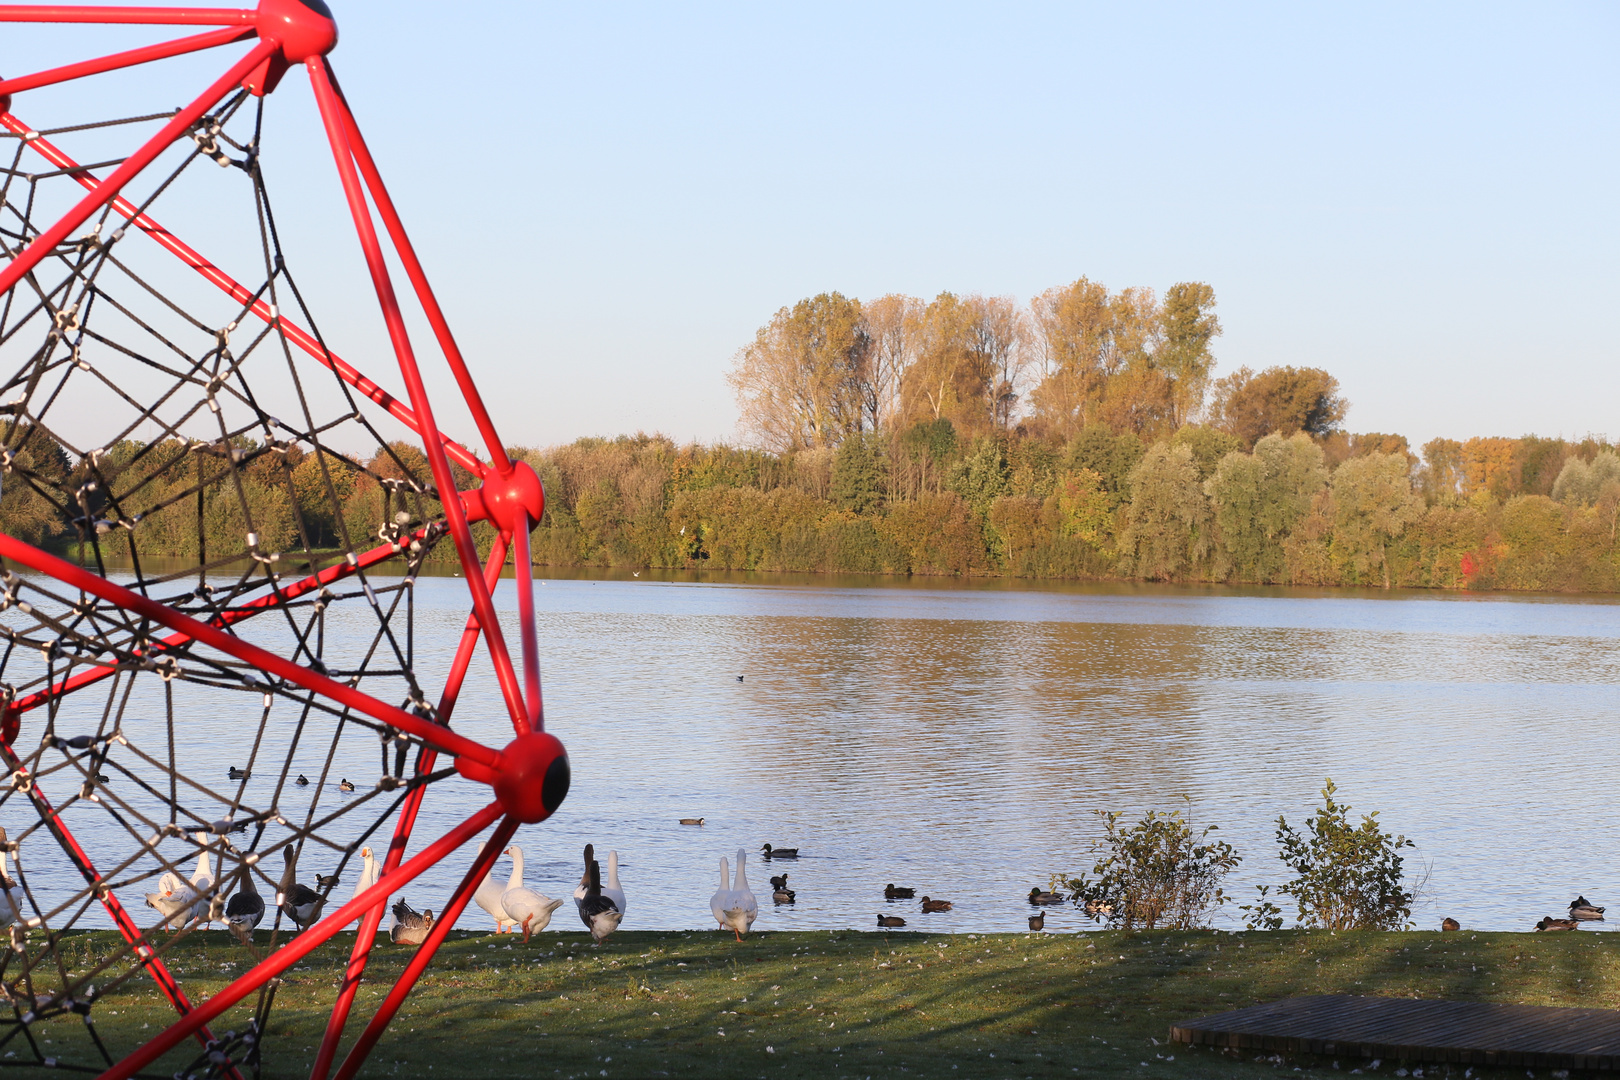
(847, 1003)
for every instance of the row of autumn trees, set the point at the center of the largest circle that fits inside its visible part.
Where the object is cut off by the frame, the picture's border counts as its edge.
(1081, 436)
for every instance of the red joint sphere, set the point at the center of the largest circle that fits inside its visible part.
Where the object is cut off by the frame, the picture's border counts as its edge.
(303, 28)
(504, 496)
(532, 778)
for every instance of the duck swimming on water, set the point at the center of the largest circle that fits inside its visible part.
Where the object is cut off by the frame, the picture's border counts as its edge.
(344, 785)
(780, 853)
(891, 920)
(936, 905)
(302, 781)
(891, 892)
(1038, 897)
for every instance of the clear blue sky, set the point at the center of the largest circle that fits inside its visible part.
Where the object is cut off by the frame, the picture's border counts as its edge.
(611, 198)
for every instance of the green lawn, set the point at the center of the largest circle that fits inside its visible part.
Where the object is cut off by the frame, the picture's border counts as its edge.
(854, 1004)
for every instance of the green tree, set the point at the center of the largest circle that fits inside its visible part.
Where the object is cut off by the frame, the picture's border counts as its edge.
(928, 445)
(1190, 325)
(983, 475)
(1167, 522)
(857, 476)
(1581, 484)
(1260, 499)
(1209, 445)
(1373, 503)
(1110, 456)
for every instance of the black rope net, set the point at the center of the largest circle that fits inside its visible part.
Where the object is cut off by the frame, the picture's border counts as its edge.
(157, 432)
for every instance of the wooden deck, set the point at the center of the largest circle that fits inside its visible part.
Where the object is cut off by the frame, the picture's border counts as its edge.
(1401, 1029)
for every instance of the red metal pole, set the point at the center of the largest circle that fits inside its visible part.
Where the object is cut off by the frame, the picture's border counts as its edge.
(228, 617)
(523, 578)
(46, 242)
(483, 603)
(424, 291)
(302, 945)
(161, 16)
(214, 637)
(425, 952)
(260, 307)
(144, 55)
(339, 1017)
(92, 877)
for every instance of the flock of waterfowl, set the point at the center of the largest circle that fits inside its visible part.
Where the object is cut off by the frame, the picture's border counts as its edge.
(1580, 910)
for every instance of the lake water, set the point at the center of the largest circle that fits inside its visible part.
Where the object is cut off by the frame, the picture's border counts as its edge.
(957, 739)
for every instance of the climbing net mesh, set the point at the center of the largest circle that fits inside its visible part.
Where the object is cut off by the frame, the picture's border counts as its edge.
(198, 447)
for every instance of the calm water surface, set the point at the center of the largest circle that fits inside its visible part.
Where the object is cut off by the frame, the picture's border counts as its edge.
(957, 740)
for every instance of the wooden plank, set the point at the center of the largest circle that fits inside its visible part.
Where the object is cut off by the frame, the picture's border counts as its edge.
(1407, 1029)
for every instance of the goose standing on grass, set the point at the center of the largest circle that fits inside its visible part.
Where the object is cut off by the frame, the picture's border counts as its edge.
(597, 911)
(202, 881)
(245, 909)
(10, 906)
(1580, 909)
(722, 896)
(523, 906)
(410, 926)
(368, 876)
(488, 897)
(173, 900)
(301, 903)
(743, 908)
(613, 890)
(584, 881)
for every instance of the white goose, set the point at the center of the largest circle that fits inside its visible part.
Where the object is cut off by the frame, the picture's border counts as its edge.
(202, 881)
(10, 906)
(613, 890)
(742, 909)
(722, 896)
(526, 907)
(488, 897)
(368, 876)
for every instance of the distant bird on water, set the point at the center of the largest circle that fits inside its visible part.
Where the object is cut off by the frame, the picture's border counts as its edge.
(691, 821)
(1038, 922)
(327, 881)
(739, 678)
(892, 892)
(1579, 908)
(779, 881)
(935, 905)
(1037, 897)
(780, 853)
(239, 774)
(1556, 924)
(891, 920)
(302, 781)
(1450, 924)
(344, 785)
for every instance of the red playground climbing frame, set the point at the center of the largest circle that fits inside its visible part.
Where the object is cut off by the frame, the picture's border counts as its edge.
(206, 521)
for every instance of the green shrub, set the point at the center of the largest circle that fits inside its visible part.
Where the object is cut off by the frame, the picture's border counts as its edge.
(1155, 874)
(1347, 877)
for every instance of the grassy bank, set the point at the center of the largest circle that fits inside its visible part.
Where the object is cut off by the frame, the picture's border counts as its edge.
(854, 1004)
